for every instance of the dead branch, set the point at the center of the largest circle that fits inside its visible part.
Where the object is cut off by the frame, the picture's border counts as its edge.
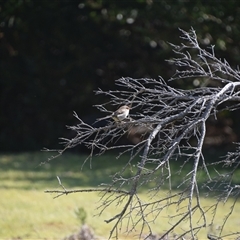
(172, 123)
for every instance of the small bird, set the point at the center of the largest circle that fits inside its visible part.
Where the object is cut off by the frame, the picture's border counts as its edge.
(119, 115)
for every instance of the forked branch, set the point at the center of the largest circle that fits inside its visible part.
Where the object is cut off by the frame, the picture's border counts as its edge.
(171, 124)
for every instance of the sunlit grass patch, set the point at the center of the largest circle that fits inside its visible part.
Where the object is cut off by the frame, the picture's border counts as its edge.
(27, 212)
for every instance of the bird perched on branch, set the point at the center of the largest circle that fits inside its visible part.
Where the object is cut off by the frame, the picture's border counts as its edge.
(120, 114)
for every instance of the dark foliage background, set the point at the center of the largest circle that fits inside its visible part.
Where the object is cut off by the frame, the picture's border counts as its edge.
(54, 54)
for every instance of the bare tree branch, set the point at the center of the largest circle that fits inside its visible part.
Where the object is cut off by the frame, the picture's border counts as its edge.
(171, 124)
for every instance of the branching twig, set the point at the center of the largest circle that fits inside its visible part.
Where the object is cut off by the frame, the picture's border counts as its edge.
(171, 125)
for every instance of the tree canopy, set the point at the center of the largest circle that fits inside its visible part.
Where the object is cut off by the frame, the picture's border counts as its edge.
(54, 54)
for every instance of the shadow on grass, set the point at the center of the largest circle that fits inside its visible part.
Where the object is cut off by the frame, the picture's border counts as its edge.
(25, 171)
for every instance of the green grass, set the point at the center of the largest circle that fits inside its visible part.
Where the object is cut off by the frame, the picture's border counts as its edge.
(29, 213)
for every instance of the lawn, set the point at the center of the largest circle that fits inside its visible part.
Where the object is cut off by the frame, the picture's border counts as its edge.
(27, 212)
